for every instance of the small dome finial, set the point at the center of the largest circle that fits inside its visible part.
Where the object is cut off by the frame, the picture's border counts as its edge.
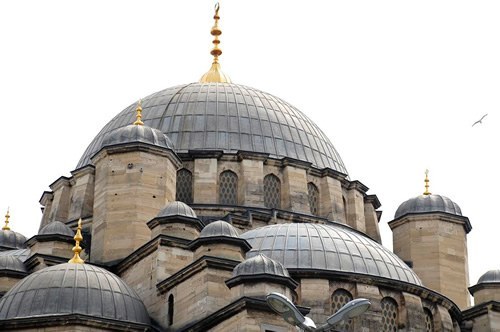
(77, 249)
(138, 121)
(427, 192)
(7, 216)
(215, 74)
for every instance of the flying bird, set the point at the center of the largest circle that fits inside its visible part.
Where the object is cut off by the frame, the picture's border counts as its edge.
(480, 120)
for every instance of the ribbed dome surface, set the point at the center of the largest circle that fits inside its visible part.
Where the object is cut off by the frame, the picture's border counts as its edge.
(228, 117)
(260, 264)
(12, 240)
(177, 209)
(56, 227)
(134, 133)
(73, 289)
(428, 203)
(21, 254)
(12, 264)
(327, 247)
(219, 228)
(492, 276)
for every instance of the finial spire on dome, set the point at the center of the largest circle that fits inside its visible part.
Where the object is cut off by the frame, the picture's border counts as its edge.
(138, 121)
(215, 74)
(7, 216)
(77, 249)
(427, 192)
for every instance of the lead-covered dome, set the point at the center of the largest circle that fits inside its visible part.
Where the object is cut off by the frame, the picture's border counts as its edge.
(11, 240)
(492, 276)
(228, 117)
(73, 289)
(137, 133)
(219, 228)
(333, 247)
(177, 209)
(427, 204)
(57, 227)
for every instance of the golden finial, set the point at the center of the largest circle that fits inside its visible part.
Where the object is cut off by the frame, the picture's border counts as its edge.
(77, 249)
(7, 216)
(427, 192)
(138, 121)
(215, 73)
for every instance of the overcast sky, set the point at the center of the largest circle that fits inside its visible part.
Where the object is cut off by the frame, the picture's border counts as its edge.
(395, 85)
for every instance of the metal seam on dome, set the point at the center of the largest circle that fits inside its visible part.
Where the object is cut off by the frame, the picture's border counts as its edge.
(163, 115)
(252, 96)
(352, 235)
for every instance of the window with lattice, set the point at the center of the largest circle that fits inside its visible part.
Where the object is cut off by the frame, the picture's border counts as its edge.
(184, 186)
(340, 298)
(429, 321)
(389, 314)
(313, 194)
(272, 191)
(228, 188)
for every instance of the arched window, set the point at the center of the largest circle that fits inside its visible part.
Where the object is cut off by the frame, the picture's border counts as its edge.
(429, 321)
(170, 309)
(313, 194)
(184, 186)
(389, 314)
(339, 298)
(272, 191)
(228, 188)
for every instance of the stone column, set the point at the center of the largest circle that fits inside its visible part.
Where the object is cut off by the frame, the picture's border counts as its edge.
(82, 193)
(332, 203)
(295, 186)
(205, 177)
(371, 217)
(252, 166)
(356, 205)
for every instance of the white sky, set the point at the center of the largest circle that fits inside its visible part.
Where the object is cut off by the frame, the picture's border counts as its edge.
(396, 85)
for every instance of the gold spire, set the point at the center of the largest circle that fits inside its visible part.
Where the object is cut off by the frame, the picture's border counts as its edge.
(7, 216)
(215, 73)
(427, 192)
(77, 249)
(138, 121)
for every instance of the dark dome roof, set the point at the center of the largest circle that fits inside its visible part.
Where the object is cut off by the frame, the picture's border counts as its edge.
(258, 265)
(492, 276)
(428, 203)
(56, 227)
(135, 133)
(332, 247)
(219, 228)
(228, 117)
(21, 254)
(12, 240)
(177, 209)
(73, 289)
(12, 263)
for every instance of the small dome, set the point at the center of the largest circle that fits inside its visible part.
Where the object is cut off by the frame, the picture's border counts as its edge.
(428, 203)
(11, 240)
(177, 209)
(11, 263)
(56, 227)
(219, 228)
(332, 247)
(73, 289)
(258, 265)
(136, 133)
(21, 254)
(492, 276)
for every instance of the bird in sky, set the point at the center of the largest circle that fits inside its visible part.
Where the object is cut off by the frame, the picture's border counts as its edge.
(480, 120)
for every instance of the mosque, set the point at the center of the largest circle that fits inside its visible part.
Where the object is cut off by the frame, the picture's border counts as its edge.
(192, 205)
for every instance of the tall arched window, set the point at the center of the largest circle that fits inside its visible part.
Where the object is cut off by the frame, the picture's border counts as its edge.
(228, 188)
(313, 194)
(184, 186)
(272, 191)
(389, 314)
(429, 321)
(170, 309)
(339, 298)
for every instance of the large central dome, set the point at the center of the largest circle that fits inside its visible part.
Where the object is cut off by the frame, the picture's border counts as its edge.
(228, 117)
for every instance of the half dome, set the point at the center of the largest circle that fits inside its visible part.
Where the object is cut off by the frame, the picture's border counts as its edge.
(11, 263)
(73, 289)
(492, 276)
(333, 247)
(427, 204)
(260, 264)
(177, 209)
(228, 117)
(134, 133)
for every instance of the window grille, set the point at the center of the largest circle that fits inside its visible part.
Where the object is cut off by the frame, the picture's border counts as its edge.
(313, 194)
(339, 298)
(272, 191)
(429, 321)
(184, 186)
(389, 314)
(228, 188)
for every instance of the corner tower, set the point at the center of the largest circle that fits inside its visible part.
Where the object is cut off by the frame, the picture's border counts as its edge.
(430, 233)
(134, 179)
